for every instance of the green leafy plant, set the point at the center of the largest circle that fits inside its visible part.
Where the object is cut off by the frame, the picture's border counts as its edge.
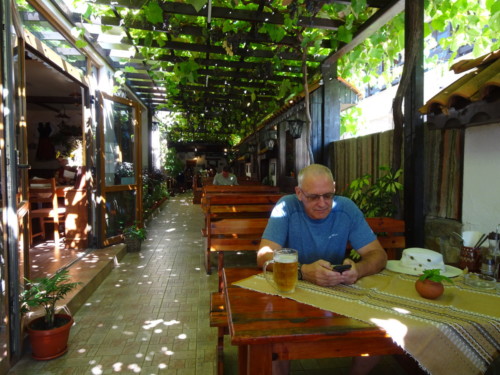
(46, 292)
(434, 275)
(135, 232)
(376, 199)
(173, 165)
(354, 255)
(125, 169)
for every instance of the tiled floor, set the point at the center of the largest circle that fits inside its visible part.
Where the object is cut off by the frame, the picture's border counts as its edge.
(150, 315)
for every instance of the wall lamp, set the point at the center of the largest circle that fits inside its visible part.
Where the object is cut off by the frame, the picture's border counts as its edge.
(295, 127)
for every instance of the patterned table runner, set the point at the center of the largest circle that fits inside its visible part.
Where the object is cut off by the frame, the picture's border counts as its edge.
(459, 333)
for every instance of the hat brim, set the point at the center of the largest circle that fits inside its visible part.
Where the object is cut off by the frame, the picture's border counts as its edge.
(395, 265)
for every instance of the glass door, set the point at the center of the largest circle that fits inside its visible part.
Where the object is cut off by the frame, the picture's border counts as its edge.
(13, 180)
(4, 301)
(119, 167)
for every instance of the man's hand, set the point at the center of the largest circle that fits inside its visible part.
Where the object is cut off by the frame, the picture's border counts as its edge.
(350, 276)
(321, 273)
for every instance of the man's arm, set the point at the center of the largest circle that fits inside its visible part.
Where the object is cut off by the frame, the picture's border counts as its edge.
(373, 260)
(265, 252)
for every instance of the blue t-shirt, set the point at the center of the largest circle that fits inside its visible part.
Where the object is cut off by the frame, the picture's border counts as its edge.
(326, 239)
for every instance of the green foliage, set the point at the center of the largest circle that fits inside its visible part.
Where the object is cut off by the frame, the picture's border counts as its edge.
(354, 255)
(46, 292)
(276, 32)
(153, 12)
(376, 200)
(434, 275)
(154, 185)
(135, 231)
(173, 165)
(476, 23)
(375, 62)
(197, 4)
(186, 71)
(350, 120)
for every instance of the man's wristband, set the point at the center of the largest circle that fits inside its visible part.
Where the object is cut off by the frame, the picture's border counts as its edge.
(299, 271)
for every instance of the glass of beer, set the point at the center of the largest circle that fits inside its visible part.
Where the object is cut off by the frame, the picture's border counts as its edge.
(285, 262)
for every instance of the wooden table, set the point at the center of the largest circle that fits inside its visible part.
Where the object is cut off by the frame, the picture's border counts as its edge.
(267, 327)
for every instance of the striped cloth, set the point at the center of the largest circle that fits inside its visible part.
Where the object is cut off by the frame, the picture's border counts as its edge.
(458, 333)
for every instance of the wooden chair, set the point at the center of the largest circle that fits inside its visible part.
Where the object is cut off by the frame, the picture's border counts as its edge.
(44, 206)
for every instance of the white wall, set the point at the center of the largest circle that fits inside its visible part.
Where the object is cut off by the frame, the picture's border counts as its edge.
(481, 196)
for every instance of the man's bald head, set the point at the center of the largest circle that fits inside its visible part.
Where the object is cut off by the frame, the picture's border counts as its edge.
(313, 171)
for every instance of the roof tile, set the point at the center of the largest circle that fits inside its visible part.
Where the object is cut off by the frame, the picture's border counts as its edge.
(483, 83)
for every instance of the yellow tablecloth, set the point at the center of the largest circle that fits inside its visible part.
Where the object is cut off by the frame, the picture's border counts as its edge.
(458, 333)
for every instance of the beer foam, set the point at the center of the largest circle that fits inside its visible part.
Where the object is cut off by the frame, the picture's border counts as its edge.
(285, 258)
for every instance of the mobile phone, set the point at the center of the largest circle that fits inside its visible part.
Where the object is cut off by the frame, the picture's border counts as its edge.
(341, 267)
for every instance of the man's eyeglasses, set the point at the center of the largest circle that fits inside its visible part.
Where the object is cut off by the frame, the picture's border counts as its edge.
(316, 197)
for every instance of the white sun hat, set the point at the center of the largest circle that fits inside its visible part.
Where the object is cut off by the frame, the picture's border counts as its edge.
(415, 260)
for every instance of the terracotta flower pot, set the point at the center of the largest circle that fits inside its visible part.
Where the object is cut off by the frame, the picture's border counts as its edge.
(429, 289)
(49, 343)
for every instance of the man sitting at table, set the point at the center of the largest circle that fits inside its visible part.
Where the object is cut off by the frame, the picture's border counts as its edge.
(319, 224)
(225, 177)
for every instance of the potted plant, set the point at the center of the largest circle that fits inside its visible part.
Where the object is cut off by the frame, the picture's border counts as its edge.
(376, 199)
(134, 235)
(124, 173)
(429, 285)
(49, 333)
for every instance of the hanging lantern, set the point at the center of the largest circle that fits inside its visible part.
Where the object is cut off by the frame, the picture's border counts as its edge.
(270, 143)
(295, 127)
(271, 137)
(272, 134)
(251, 147)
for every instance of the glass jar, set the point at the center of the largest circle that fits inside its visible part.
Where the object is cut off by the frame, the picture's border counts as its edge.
(488, 265)
(470, 258)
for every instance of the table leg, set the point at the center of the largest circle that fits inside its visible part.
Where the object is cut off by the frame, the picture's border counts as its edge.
(259, 360)
(242, 359)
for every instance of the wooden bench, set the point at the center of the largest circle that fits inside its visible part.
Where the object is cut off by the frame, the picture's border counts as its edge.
(390, 233)
(241, 189)
(218, 319)
(245, 180)
(235, 234)
(200, 192)
(225, 203)
(233, 206)
(223, 206)
(218, 206)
